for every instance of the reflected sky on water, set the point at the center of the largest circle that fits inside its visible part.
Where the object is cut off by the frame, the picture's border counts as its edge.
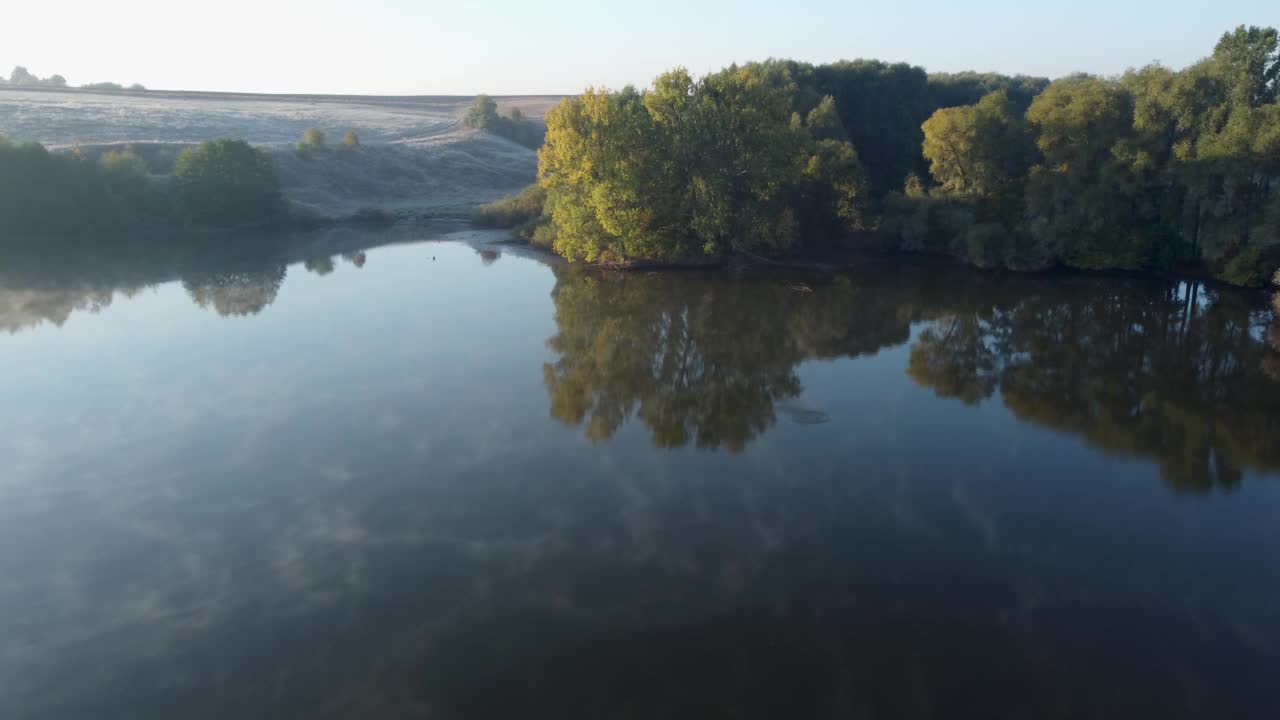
(448, 479)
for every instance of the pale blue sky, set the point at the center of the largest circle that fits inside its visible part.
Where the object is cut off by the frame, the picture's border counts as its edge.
(560, 46)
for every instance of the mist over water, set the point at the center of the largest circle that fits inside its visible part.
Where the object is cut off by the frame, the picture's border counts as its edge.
(386, 476)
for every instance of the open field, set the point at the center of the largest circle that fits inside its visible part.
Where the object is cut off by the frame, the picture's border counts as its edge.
(416, 153)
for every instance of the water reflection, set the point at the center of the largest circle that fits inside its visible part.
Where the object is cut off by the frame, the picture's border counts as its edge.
(1174, 372)
(1185, 375)
(233, 275)
(264, 518)
(232, 293)
(319, 265)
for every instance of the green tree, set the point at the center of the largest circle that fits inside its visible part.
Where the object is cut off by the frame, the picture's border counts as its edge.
(696, 168)
(1078, 195)
(22, 76)
(482, 113)
(313, 141)
(227, 182)
(981, 151)
(1250, 57)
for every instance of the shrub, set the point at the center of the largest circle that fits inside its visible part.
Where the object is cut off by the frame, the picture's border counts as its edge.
(350, 145)
(313, 141)
(482, 113)
(227, 182)
(986, 245)
(45, 192)
(123, 164)
(1251, 266)
(540, 232)
(512, 211)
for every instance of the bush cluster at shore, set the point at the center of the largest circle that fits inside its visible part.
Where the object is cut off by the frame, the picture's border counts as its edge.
(219, 183)
(1157, 169)
(524, 213)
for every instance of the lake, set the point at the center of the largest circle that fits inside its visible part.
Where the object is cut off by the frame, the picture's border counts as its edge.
(433, 477)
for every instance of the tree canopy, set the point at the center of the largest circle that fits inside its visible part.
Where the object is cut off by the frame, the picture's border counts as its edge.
(227, 182)
(695, 168)
(1155, 169)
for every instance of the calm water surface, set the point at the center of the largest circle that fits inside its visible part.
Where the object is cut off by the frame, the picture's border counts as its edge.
(428, 480)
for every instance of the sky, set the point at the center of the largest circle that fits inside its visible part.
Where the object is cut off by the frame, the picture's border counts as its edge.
(463, 47)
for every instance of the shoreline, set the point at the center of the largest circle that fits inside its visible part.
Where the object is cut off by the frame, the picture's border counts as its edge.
(835, 260)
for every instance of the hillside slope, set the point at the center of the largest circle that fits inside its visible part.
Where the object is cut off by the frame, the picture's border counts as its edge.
(415, 152)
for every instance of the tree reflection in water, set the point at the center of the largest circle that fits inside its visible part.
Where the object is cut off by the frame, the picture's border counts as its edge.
(236, 293)
(535, 584)
(1173, 372)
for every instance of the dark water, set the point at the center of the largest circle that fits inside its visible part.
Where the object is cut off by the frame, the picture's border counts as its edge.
(478, 486)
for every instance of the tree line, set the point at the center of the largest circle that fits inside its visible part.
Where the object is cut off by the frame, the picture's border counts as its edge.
(1155, 169)
(48, 195)
(218, 183)
(22, 77)
(514, 126)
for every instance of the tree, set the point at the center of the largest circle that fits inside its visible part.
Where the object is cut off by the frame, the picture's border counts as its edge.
(832, 192)
(881, 106)
(824, 121)
(1079, 195)
(21, 76)
(313, 141)
(694, 168)
(227, 182)
(981, 151)
(967, 88)
(482, 112)
(1250, 58)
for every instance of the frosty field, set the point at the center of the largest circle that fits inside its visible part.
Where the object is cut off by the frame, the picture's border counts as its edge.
(416, 154)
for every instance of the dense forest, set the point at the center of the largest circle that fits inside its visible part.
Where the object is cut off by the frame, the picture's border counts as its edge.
(1155, 169)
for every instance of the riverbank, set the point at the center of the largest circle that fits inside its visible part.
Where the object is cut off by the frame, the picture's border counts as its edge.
(841, 258)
